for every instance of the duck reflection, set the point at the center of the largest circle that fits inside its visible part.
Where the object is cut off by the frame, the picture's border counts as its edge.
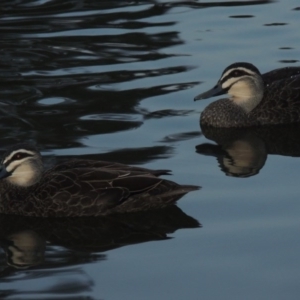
(27, 241)
(243, 152)
(24, 248)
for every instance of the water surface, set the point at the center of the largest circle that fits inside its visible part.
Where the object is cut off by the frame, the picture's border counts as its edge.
(115, 80)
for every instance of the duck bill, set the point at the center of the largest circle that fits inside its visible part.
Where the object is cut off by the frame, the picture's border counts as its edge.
(215, 91)
(3, 173)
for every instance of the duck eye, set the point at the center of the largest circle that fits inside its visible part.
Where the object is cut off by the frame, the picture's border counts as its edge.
(18, 156)
(236, 73)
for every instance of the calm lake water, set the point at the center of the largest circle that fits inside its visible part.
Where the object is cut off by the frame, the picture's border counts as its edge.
(115, 80)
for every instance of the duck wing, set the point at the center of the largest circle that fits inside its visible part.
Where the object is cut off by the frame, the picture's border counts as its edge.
(91, 191)
(280, 74)
(281, 101)
(85, 163)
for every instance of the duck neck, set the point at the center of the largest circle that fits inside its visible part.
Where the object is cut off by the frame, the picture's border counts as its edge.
(247, 93)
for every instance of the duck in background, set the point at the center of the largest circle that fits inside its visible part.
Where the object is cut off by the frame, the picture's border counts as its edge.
(255, 99)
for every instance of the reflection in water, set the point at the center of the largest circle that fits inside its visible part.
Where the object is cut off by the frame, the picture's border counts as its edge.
(65, 68)
(24, 249)
(54, 244)
(73, 69)
(243, 152)
(96, 234)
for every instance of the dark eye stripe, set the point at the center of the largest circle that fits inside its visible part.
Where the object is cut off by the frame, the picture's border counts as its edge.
(234, 74)
(17, 156)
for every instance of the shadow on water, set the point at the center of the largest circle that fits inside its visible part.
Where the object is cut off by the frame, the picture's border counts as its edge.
(48, 246)
(242, 152)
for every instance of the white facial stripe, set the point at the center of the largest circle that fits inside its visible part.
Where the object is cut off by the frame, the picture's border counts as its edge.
(229, 82)
(14, 164)
(250, 72)
(18, 151)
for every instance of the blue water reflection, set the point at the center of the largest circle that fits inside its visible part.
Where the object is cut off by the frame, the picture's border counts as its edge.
(115, 80)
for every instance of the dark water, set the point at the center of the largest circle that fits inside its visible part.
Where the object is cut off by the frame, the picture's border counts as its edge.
(115, 80)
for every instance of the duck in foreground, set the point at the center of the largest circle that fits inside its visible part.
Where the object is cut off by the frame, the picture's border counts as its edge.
(80, 187)
(255, 99)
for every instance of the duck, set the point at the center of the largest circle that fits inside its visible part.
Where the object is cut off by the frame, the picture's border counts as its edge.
(255, 99)
(80, 187)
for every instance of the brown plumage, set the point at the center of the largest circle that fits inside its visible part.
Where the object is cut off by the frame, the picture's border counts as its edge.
(255, 99)
(80, 187)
